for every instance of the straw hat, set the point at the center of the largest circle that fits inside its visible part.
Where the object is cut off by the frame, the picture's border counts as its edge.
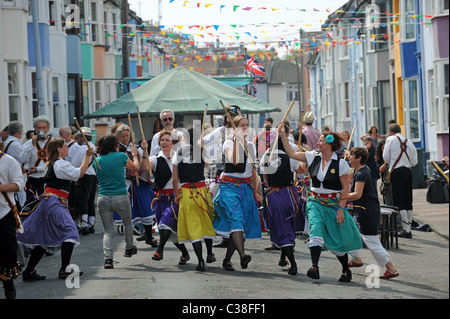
(309, 117)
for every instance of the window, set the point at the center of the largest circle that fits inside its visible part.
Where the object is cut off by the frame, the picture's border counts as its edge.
(346, 100)
(409, 26)
(98, 96)
(411, 109)
(291, 93)
(13, 91)
(71, 96)
(385, 107)
(34, 98)
(56, 104)
(361, 91)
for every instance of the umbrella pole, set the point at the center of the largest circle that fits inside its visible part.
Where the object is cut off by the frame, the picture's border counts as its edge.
(132, 141)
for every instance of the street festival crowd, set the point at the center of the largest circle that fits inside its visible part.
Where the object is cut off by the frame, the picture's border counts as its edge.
(280, 181)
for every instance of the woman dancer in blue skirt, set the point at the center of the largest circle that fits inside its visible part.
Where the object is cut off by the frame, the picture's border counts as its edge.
(283, 201)
(238, 215)
(330, 222)
(51, 227)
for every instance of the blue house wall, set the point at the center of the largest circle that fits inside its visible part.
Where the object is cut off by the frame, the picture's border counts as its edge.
(44, 35)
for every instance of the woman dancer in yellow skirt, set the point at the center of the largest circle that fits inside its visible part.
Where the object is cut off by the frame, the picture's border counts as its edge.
(196, 211)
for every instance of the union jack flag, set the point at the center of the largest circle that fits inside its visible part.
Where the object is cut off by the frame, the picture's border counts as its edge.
(254, 68)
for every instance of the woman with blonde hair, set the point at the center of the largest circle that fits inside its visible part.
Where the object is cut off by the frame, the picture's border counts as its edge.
(238, 215)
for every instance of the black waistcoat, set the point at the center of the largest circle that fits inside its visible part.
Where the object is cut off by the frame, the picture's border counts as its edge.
(240, 167)
(283, 176)
(53, 182)
(163, 174)
(190, 172)
(332, 179)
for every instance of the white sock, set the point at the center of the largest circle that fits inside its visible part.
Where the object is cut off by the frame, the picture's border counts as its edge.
(92, 220)
(405, 221)
(84, 219)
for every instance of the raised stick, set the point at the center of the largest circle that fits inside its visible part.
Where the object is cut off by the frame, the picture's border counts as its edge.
(132, 142)
(278, 133)
(82, 134)
(350, 140)
(204, 122)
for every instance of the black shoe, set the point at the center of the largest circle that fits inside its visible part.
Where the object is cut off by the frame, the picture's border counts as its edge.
(32, 276)
(227, 265)
(63, 274)
(245, 259)
(130, 252)
(222, 244)
(184, 260)
(293, 270)
(282, 262)
(85, 230)
(109, 264)
(201, 266)
(152, 242)
(405, 234)
(210, 258)
(157, 256)
(346, 276)
(313, 273)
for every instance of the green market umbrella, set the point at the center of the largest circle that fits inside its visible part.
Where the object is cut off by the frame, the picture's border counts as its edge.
(185, 92)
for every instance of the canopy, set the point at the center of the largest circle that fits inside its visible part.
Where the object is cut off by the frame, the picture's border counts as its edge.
(185, 92)
(233, 81)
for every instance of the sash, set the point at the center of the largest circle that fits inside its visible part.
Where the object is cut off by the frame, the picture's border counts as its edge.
(41, 152)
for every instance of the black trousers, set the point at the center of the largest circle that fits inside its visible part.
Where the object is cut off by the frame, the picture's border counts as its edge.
(84, 193)
(8, 246)
(401, 184)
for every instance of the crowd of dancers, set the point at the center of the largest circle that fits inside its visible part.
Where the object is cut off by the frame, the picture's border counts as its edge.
(307, 182)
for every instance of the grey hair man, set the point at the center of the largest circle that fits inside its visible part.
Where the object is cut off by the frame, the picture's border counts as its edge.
(34, 156)
(167, 118)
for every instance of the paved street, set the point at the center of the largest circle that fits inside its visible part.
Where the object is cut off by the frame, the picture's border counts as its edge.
(423, 263)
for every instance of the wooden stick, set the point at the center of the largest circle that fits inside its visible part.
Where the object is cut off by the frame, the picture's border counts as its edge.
(132, 142)
(350, 140)
(82, 134)
(436, 166)
(278, 133)
(234, 128)
(203, 123)
(142, 133)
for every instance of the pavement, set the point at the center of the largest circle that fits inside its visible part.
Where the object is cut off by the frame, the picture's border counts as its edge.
(423, 264)
(435, 215)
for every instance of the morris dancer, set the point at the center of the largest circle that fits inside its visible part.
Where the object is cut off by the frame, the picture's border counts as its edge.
(283, 202)
(34, 156)
(238, 215)
(164, 206)
(51, 227)
(11, 181)
(330, 222)
(195, 213)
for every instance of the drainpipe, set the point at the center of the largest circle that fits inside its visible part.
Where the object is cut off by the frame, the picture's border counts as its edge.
(38, 57)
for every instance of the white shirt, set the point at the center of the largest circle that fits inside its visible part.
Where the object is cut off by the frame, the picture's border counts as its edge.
(344, 169)
(154, 160)
(392, 150)
(29, 156)
(10, 172)
(64, 170)
(14, 149)
(214, 142)
(248, 167)
(78, 155)
(72, 150)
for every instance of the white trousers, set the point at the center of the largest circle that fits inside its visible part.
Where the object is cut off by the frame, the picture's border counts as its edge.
(376, 248)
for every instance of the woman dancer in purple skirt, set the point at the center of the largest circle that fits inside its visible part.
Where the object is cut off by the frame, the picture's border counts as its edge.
(164, 206)
(283, 201)
(51, 227)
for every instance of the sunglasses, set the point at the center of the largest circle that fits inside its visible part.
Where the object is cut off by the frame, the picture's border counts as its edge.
(168, 119)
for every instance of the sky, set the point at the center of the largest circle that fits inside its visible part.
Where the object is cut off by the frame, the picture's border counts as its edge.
(238, 20)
